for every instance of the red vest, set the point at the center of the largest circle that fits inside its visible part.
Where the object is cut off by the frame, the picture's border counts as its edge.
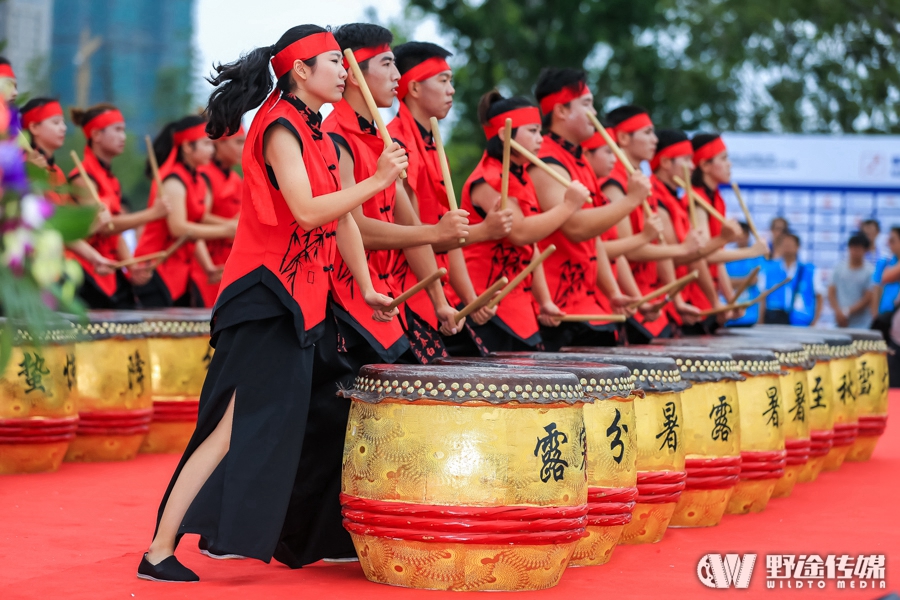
(714, 198)
(110, 193)
(425, 177)
(692, 294)
(489, 261)
(56, 180)
(365, 148)
(225, 186)
(156, 237)
(301, 261)
(571, 271)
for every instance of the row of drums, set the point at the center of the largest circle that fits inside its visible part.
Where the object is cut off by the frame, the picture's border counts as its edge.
(499, 473)
(103, 390)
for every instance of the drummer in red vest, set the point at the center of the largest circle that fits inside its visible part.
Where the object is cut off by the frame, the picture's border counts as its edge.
(45, 126)
(579, 274)
(104, 131)
(425, 91)
(515, 327)
(673, 153)
(225, 194)
(261, 476)
(181, 148)
(386, 221)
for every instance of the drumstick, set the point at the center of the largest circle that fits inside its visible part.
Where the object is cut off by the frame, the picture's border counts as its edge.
(370, 101)
(154, 166)
(725, 308)
(740, 198)
(530, 157)
(521, 276)
(504, 175)
(746, 284)
(416, 289)
(616, 150)
(671, 287)
(585, 318)
(749, 303)
(481, 300)
(690, 197)
(160, 256)
(88, 182)
(445, 167)
(703, 203)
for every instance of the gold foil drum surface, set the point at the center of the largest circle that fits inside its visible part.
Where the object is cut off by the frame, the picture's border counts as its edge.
(872, 403)
(465, 479)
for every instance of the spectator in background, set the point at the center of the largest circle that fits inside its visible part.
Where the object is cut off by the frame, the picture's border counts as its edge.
(887, 317)
(739, 270)
(777, 226)
(850, 293)
(871, 228)
(800, 301)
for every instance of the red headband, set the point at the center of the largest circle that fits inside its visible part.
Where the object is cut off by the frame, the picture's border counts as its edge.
(597, 140)
(682, 148)
(303, 49)
(563, 96)
(421, 72)
(709, 150)
(41, 113)
(528, 115)
(102, 121)
(191, 134)
(632, 124)
(364, 54)
(6, 71)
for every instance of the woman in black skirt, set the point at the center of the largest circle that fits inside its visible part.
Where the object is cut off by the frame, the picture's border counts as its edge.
(268, 415)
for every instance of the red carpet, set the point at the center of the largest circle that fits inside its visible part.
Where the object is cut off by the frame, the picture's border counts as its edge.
(79, 533)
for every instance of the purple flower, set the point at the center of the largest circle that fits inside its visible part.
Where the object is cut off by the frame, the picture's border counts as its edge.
(14, 122)
(12, 167)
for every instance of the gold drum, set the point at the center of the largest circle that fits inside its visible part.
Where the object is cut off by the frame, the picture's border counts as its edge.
(38, 415)
(845, 383)
(872, 394)
(179, 358)
(465, 479)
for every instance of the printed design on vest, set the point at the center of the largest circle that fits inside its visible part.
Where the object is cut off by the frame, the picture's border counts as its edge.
(505, 260)
(424, 341)
(571, 279)
(301, 250)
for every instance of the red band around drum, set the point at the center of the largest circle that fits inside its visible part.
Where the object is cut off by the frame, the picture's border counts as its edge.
(845, 434)
(763, 465)
(712, 473)
(820, 442)
(464, 524)
(38, 431)
(175, 411)
(872, 425)
(797, 451)
(610, 506)
(660, 487)
(115, 422)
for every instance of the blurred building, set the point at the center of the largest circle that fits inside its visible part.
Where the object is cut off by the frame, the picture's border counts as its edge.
(26, 27)
(135, 53)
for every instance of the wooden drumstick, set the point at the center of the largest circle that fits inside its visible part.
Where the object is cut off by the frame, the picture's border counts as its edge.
(740, 198)
(370, 101)
(669, 288)
(690, 197)
(616, 150)
(445, 167)
(504, 174)
(159, 257)
(749, 303)
(88, 182)
(416, 289)
(746, 284)
(703, 203)
(725, 308)
(521, 276)
(154, 166)
(587, 318)
(530, 157)
(481, 300)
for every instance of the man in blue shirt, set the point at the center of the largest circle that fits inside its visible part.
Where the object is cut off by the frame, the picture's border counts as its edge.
(740, 269)
(800, 301)
(887, 275)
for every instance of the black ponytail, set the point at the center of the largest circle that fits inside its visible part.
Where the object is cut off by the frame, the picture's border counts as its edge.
(492, 104)
(244, 84)
(162, 145)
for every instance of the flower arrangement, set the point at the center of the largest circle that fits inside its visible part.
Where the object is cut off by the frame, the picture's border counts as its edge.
(37, 279)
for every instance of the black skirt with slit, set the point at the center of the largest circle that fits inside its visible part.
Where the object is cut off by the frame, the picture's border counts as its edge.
(276, 491)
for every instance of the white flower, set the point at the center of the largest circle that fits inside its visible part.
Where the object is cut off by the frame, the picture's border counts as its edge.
(47, 265)
(16, 244)
(34, 212)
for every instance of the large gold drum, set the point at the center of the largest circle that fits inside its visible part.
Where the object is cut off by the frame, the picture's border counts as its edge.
(179, 358)
(465, 479)
(38, 416)
(660, 448)
(113, 388)
(610, 434)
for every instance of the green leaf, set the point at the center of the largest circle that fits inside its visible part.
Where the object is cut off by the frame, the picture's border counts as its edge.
(73, 222)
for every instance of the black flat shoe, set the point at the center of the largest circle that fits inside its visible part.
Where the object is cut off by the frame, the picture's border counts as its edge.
(169, 570)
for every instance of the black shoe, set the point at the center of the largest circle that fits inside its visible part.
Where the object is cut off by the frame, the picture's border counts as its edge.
(167, 570)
